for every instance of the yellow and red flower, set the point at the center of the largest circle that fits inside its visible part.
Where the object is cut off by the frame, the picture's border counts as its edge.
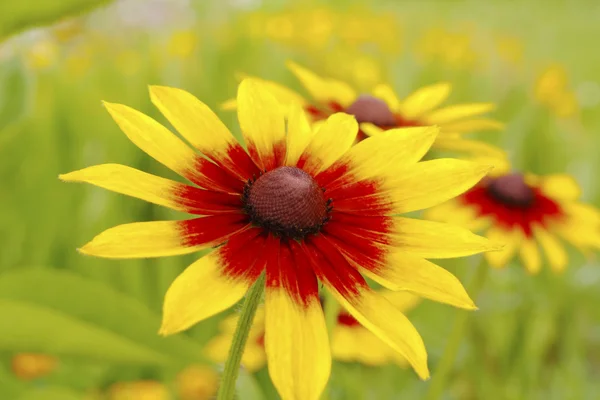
(350, 341)
(303, 207)
(522, 211)
(382, 110)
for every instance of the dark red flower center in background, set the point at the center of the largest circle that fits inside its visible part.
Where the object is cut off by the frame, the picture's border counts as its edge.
(287, 202)
(512, 203)
(371, 109)
(511, 190)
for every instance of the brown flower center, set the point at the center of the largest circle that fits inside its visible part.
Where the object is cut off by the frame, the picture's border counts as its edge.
(511, 190)
(371, 109)
(286, 202)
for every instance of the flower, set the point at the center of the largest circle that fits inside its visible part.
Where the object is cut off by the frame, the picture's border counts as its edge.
(351, 342)
(299, 206)
(27, 366)
(382, 110)
(139, 390)
(197, 382)
(522, 211)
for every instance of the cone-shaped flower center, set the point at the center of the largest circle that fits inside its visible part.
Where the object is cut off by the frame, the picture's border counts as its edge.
(287, 202)
(511, 190)
(371, 109)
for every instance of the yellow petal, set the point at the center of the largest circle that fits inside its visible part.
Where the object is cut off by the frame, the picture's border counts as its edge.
(429, 239)
(432, 182)
(153, 138)
(458, 112)
(132, 182)
(299, 135)
(403, 301)
(297, 346)
(378, 315)
(475, 147)
(262, 123)
(254, 357)
(196, 122)
(331, 140)
(370, 129)
(425, 99)
(403, 271)
(201, 291)
(382, 155)
(530, 256)
(229, 105)
(473, 125)
(560, 186)
(163, 238)
(387, 94)
(358, 344)
(510, 239)
(555, 252)
(323, 90)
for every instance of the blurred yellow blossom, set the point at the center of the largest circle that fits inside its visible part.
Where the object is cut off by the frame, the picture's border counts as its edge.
(27, 366)
(139, 390)
(197, 382)
(183, 43)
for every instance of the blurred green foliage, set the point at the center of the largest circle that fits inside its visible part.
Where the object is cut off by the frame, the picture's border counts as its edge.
(16, 16)
(533, 338)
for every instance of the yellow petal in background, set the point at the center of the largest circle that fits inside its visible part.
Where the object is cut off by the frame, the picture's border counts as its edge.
(424, 100)
(511, 240)
(530, 256)
(560, 186)
(458, 112)
(555, 251)
(387, 94)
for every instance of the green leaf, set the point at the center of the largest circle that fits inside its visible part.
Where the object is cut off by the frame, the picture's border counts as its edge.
(16, 16)
(51, 393)
(62, 313)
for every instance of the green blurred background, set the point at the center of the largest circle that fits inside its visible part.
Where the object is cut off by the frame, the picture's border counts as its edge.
(533, 338)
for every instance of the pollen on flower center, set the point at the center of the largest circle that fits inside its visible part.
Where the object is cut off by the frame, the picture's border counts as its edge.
(371, 109)
(286, 202)
(511, 190)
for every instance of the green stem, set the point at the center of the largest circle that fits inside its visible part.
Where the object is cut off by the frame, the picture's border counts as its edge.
(240, 337)
(444, 368)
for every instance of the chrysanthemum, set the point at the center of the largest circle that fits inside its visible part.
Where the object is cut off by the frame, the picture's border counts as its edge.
(299, 206)
(382, 110)
(524, 211)
(350, 342)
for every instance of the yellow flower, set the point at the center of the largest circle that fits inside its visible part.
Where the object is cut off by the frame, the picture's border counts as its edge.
(552, 89)
(524, 211)
(197, 382)
(183, 43)
(139, 390)
(351, 342)
(301, 208)
(383, 110)
(29, 366)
